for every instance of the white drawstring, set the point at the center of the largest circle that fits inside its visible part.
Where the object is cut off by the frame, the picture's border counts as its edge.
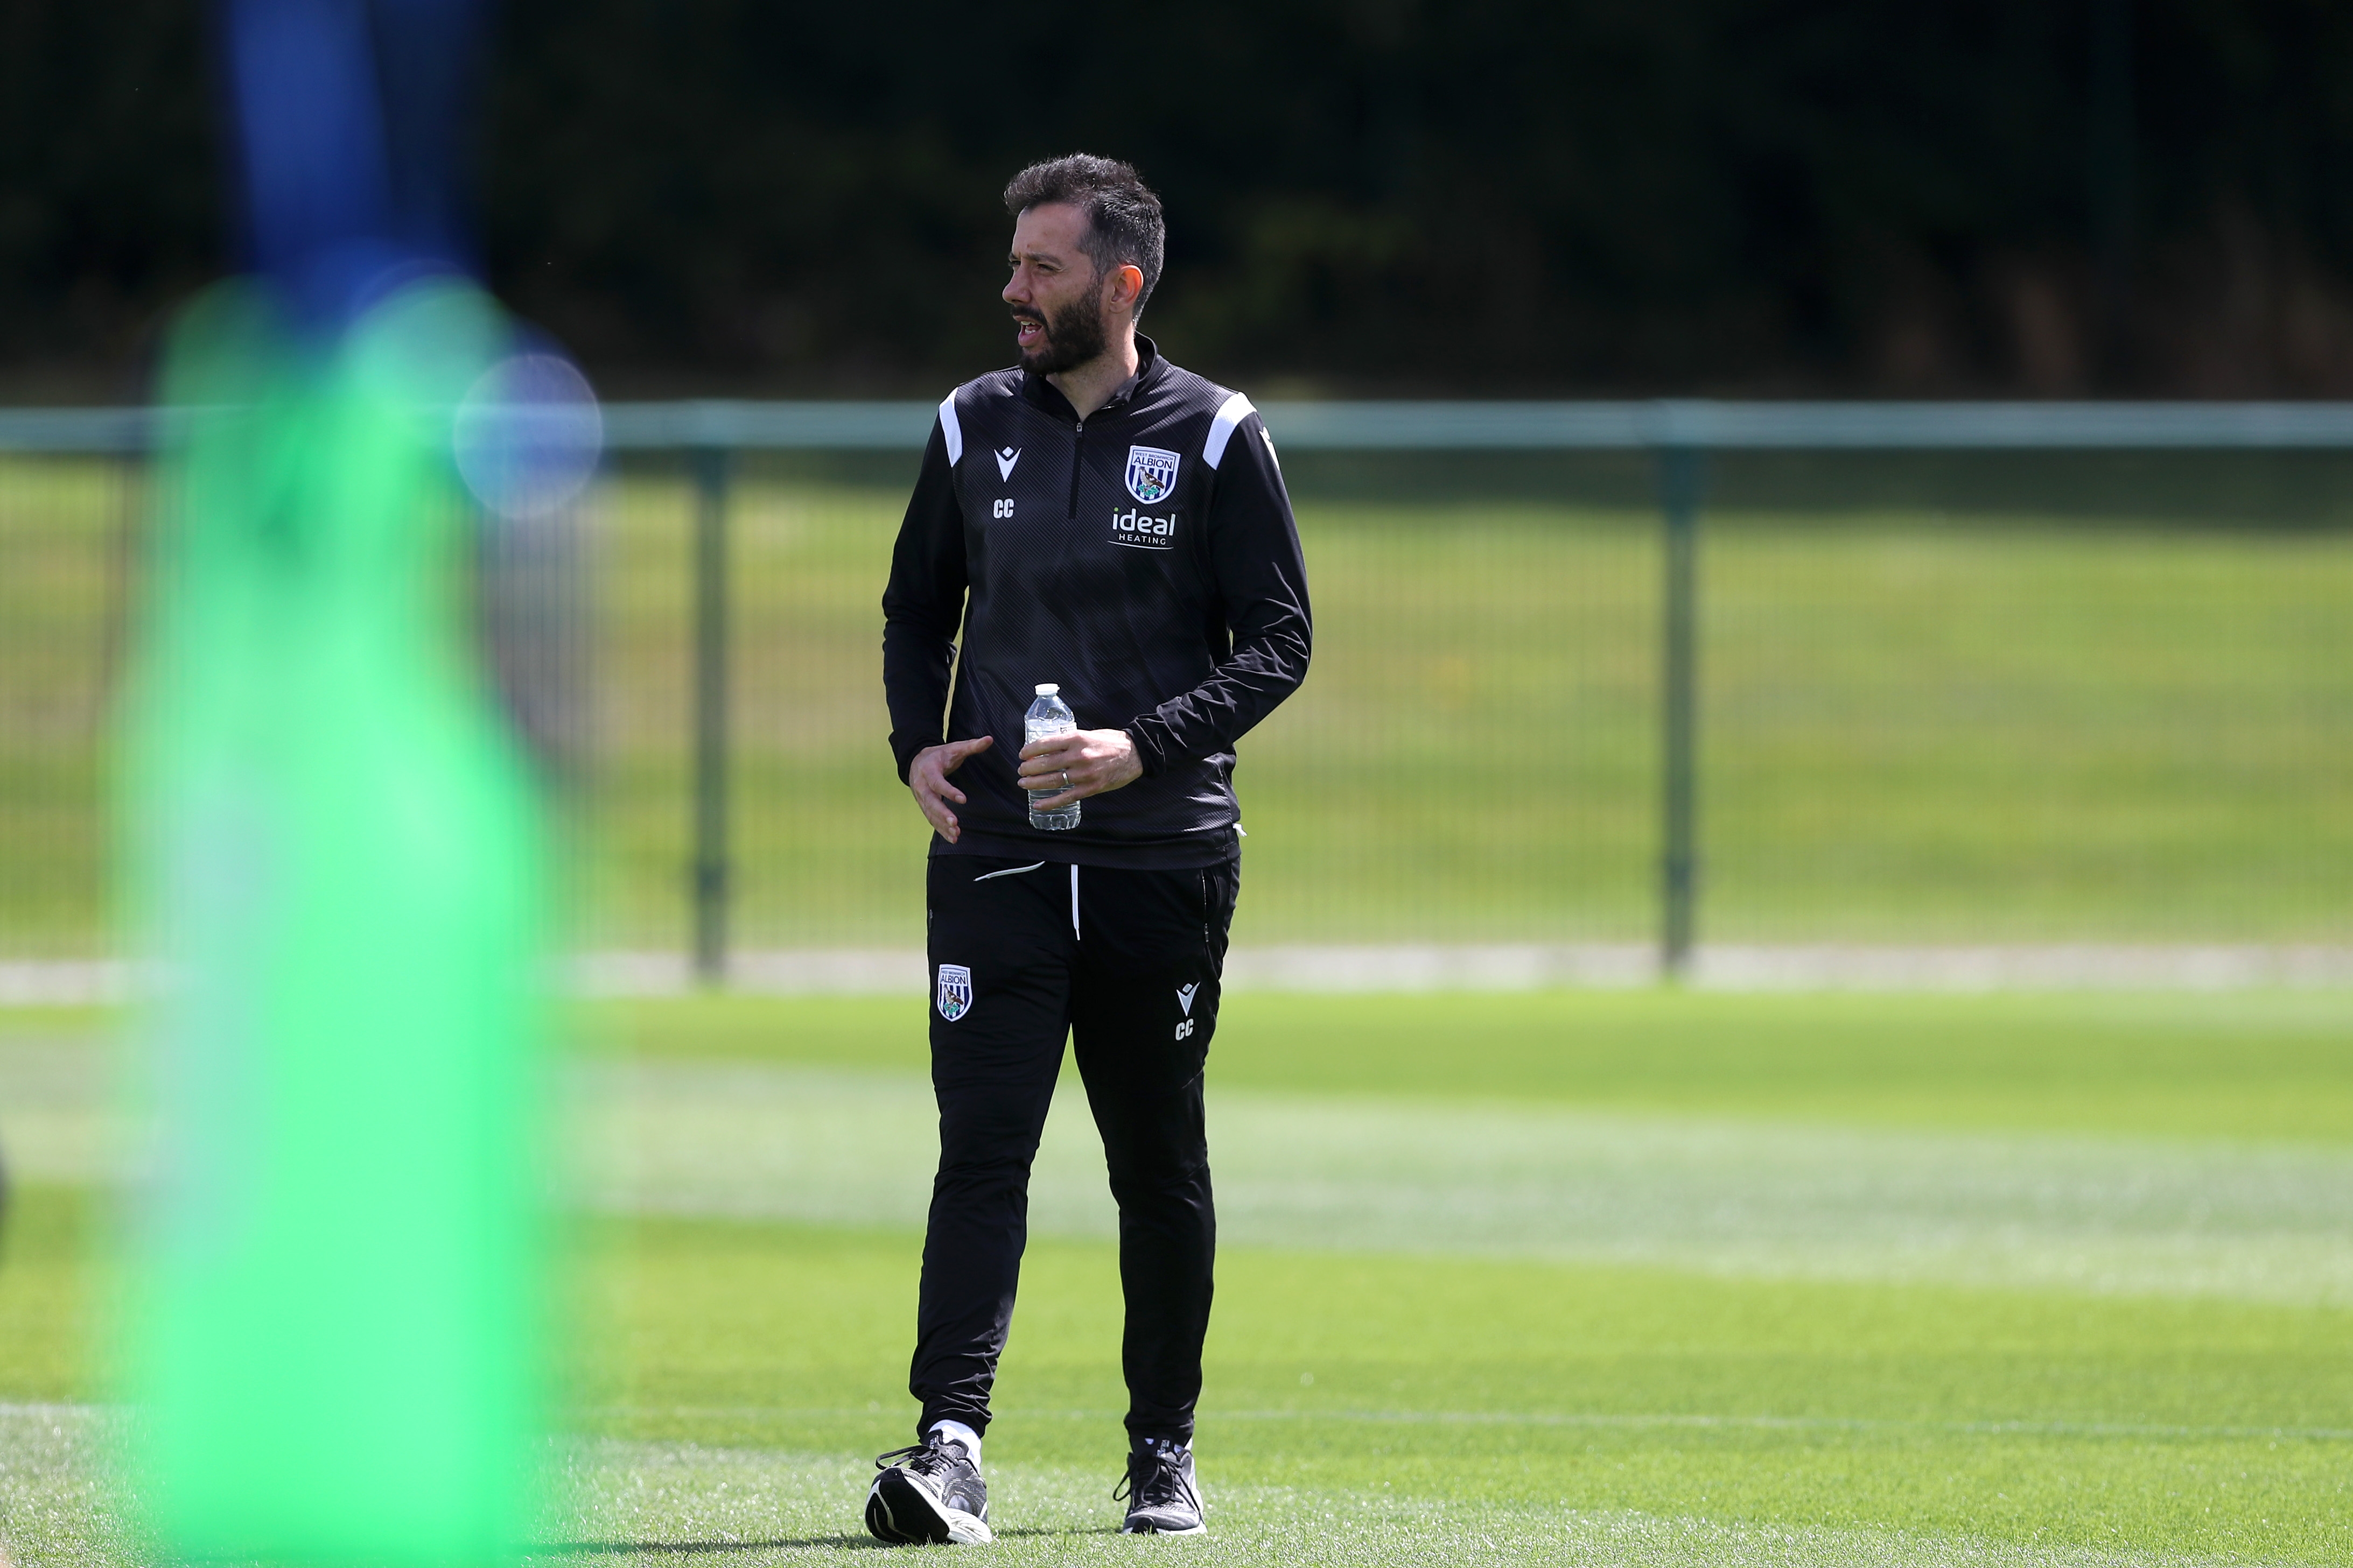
(1074, 905)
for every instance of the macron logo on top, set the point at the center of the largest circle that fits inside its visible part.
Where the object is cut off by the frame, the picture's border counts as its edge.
(1006, 458)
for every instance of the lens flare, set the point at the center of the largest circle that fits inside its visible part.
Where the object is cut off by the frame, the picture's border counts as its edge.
(528, 436)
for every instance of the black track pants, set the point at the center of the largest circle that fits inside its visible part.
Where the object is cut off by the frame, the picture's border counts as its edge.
(1126, 963)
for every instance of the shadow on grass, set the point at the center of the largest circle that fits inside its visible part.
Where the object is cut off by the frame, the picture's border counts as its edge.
(690, 1548)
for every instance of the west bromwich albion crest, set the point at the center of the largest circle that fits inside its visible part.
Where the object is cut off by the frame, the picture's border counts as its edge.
(1151, 473)
(955, 991)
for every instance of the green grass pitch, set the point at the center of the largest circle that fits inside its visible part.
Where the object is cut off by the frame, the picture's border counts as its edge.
(1577, 1278)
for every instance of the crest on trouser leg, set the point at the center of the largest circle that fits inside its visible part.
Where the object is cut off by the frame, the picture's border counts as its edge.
(955, 991)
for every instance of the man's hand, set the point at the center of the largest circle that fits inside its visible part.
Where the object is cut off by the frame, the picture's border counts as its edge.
(1082, 762)
(927, 780)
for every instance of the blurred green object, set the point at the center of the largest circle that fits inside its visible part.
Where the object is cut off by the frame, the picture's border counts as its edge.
(335, 852)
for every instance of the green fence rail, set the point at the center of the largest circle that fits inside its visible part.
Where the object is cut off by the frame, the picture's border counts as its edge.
(714, 443)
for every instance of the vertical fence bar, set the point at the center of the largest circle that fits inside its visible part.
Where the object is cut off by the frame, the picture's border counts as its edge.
(1682, 471)
(708, 875)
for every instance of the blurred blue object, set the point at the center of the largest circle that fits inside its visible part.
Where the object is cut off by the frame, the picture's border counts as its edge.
(350, 128)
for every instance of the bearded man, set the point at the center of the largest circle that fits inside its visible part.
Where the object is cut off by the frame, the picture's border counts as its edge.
(1100, 521)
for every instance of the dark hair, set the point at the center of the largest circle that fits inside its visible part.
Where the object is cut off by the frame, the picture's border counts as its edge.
(1123, 223)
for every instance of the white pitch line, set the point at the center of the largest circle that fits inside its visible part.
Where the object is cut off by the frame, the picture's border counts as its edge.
(1628, 1420)
(1505, 966)
(1423, 967)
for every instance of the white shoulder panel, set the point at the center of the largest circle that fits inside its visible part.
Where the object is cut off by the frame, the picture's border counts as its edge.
(1222, 430)
(953, 431)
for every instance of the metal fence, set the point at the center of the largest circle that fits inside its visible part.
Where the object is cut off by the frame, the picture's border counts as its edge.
(1585, 671)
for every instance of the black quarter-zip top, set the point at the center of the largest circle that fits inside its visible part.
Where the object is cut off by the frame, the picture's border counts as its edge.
(1169, 599)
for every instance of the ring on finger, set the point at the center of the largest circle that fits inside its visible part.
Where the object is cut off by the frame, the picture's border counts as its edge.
(1066, 778)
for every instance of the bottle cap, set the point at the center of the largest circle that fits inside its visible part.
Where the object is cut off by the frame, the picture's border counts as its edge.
(1049, 689)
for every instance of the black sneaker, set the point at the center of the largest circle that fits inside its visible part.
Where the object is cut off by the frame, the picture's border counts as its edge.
(1161, 1497)
(930, 1494)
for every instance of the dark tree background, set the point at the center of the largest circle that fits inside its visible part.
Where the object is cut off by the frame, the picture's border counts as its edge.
(1497, 196)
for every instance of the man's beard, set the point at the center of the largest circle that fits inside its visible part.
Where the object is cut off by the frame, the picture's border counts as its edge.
(1073, 337)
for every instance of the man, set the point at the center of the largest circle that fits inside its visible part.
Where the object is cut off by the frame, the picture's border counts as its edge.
(1103, 520)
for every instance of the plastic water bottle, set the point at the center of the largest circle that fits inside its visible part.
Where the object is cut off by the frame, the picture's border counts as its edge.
(1048, 716)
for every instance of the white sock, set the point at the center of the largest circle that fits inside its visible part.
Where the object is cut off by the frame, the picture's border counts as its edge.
(962, 1434)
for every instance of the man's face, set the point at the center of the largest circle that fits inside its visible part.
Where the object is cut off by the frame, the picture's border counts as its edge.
(1058, 302)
